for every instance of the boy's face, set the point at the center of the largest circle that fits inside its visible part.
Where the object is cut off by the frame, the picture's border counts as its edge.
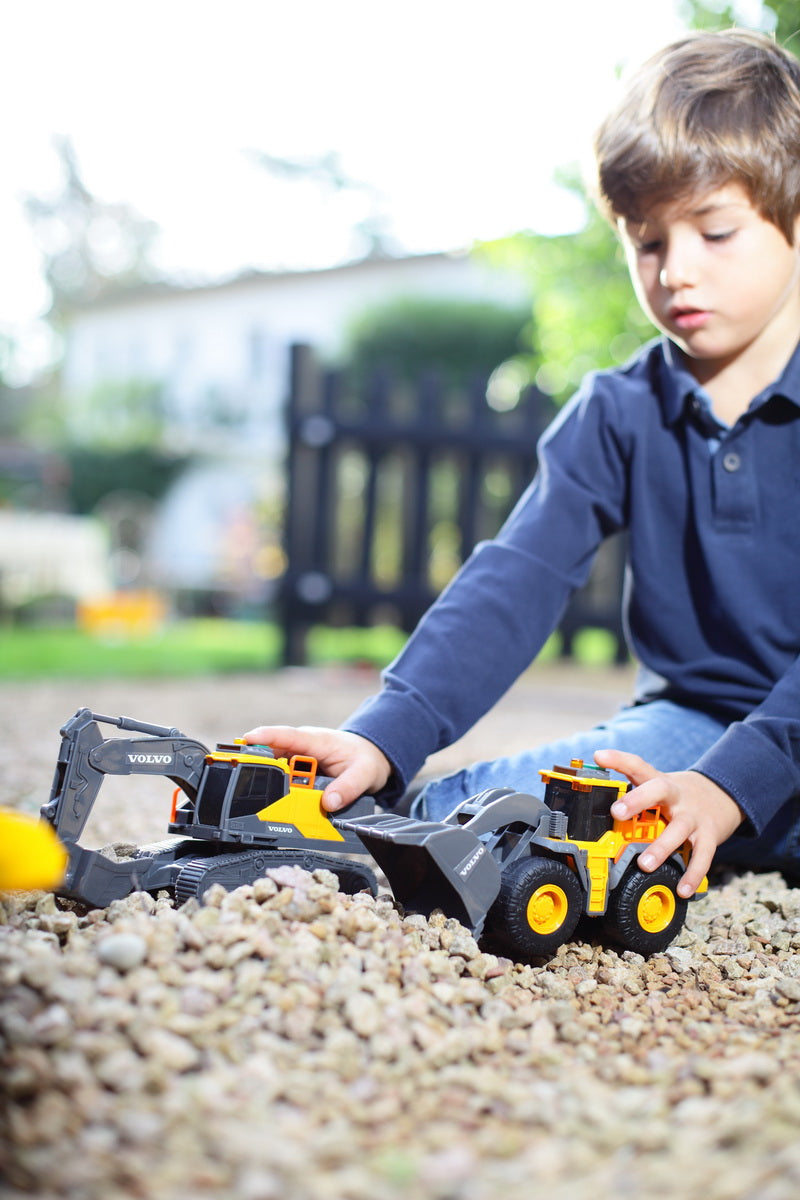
(717, 278)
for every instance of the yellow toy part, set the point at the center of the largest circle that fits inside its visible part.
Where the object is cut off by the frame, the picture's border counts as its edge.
(31, 856)
(302, 804)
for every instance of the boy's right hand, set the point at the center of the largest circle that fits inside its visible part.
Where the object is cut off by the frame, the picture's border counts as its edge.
(358, 766)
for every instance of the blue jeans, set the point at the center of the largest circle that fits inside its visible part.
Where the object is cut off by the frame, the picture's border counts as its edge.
(668, 735)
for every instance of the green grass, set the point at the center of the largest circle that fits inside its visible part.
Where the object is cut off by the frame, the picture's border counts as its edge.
(184, 648)
(200, 647)
(377, 645)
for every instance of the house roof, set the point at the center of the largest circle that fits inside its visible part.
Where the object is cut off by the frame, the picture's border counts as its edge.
(176, 287)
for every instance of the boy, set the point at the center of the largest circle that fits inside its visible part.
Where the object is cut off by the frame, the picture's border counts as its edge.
(694, 448)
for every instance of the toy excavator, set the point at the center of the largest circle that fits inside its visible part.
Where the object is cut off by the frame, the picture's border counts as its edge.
(523, 872)
(239, 809)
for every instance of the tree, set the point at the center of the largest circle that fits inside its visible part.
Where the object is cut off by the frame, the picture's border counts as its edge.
(585, 314)
(88, 245)
(327, 173)
(787, 23)
(779, 17)
(6, 350)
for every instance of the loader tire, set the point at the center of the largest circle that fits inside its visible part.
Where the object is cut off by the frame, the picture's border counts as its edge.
(645, 911)
(537, 908)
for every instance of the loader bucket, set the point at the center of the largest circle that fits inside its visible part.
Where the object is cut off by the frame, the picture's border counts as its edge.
(431, 865)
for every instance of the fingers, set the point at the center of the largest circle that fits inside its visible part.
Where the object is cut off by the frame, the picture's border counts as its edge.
(346, 788)
(698, 868)
(650, 787)
(364, 770)
(630, 765)
(290, 739)
(357, 765)
(689, 821)
(677, 833)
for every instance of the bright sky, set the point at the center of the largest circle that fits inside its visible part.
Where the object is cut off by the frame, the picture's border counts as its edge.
(456, 111)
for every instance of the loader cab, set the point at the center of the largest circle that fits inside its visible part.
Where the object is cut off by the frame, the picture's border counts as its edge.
(585, 795)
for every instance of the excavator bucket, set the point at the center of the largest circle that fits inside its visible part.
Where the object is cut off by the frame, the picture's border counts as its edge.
(430, 864)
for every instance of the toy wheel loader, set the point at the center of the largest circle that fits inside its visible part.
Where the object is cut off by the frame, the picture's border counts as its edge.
(239, 810)
(523, 872)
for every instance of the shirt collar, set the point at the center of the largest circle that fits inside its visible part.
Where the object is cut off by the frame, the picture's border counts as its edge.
(678, 384)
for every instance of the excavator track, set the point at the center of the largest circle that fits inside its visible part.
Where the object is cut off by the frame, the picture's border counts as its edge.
(245, 866)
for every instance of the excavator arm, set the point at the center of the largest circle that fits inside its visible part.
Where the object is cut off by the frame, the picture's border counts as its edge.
(86, 756)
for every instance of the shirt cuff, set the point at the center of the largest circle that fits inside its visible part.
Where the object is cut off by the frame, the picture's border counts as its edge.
(402, 730)
(754, 773)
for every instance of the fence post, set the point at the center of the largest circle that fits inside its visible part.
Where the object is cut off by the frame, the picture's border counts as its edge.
(309, 433)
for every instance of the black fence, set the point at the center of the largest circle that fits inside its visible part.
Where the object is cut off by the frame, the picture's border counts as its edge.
(390, 487)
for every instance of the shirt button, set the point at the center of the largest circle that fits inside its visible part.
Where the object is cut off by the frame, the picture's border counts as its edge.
(731, 461)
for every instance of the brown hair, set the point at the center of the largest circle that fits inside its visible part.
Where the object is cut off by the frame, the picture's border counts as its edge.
(710, 109)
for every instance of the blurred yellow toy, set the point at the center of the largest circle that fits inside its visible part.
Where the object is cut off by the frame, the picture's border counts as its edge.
(31, 856)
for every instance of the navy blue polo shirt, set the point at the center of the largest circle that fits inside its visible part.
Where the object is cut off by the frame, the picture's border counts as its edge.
(712, 602)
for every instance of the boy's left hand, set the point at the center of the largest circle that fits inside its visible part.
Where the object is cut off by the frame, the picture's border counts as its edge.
(697, 811)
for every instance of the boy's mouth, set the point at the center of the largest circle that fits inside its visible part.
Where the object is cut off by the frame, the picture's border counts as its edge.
(688, 318)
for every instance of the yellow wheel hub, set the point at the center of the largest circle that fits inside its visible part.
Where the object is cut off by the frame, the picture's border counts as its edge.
(656, 908)
(547, 908)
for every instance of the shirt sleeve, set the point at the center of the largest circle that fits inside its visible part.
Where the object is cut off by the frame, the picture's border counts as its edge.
(493, 618)
(757, 759)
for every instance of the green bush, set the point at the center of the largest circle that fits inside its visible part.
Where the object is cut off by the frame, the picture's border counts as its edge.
(94, 473)
(459, 340)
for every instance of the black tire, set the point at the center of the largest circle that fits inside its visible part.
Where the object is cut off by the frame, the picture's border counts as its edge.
(354, 877)
(537, 908)
(245, 866)
(645, 911)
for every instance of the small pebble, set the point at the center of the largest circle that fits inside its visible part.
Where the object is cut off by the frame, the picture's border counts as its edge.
(122, 950)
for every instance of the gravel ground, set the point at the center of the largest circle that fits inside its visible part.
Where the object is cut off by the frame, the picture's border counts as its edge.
(286, 1041)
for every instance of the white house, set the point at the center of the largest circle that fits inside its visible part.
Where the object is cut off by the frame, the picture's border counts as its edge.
(219, 356)
(220, 352)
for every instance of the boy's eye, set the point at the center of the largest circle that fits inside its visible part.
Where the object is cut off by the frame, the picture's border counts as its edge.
(719, 237)
(649, 247)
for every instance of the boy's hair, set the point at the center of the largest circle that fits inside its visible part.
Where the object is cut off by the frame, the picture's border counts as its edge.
(710, 109)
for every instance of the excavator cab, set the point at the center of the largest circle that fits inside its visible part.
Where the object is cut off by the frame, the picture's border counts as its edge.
(247, 795)
(233, 790)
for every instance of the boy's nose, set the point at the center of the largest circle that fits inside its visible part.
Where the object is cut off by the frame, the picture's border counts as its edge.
(674, 280)
(677, 270)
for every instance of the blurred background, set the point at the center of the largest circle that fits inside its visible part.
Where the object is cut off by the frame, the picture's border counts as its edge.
(287, 292)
